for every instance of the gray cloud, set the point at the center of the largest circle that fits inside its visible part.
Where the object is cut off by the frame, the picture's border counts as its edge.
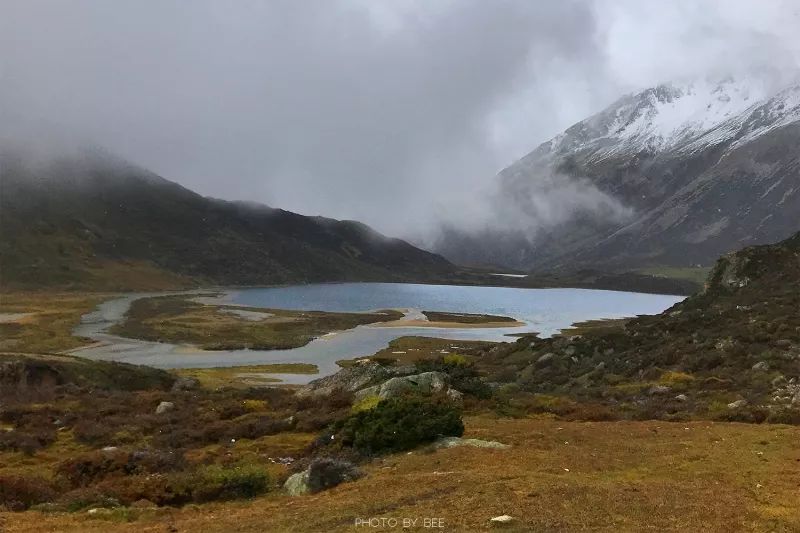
(397, 113)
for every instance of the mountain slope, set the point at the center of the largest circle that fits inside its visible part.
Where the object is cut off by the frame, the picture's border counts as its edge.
(729, 352)
(685, 172)
(98, 222)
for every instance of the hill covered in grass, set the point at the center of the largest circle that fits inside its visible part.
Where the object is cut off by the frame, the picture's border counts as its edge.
(93, 221)
(731, 351)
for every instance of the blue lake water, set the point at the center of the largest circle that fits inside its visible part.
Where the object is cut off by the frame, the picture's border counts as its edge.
(543, 310)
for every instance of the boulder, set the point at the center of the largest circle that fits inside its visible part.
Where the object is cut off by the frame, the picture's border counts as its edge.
(325, 473)
(351, 379)
(297, 484)
(322, 474)
(184, 384)
(682, 397)
(658, 390)
(374, 390)
(397, 387)
(164, 407)
(424, 383)
(761, 365)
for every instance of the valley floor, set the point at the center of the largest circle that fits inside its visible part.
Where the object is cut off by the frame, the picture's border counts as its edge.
(557, 476)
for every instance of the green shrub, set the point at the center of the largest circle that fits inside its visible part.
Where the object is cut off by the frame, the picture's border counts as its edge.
(455, 359)
(215, 482)
(398, 424)
(366, 403)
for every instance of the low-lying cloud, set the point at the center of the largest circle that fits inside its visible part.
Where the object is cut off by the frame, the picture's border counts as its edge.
(396, 113)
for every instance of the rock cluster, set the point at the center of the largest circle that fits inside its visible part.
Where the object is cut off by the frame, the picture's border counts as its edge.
(323, 473)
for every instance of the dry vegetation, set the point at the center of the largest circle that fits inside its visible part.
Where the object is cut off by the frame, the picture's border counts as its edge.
(409, 350)
(178, 319)
(558, 476)
(50, 324)
(244, 376)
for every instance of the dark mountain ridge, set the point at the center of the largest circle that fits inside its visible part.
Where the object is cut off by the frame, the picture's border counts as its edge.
(81, 221)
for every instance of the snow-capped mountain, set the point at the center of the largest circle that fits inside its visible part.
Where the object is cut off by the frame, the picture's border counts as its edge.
(698, 169)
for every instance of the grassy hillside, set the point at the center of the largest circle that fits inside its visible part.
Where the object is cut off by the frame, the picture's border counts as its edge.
(729, 352)
(93, 221)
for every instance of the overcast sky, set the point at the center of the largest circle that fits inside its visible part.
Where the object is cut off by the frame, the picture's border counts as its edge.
(394, 112)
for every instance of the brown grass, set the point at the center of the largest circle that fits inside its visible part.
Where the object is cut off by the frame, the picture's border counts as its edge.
(244, 376)
(558, 476)
(408, 350)
(179, 319)
(49, 328)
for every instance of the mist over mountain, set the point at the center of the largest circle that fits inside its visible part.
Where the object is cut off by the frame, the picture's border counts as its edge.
(92, 220)
(676, 175)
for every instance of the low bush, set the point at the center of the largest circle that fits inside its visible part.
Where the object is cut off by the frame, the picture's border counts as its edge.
(18, 493)
(219, 483)
(82, 498)
(398, 424)
(27, 441)
(88, 468)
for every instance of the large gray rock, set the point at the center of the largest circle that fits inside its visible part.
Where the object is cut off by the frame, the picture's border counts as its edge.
(322, 474)
(351, 379)
(297, 484)
(424, 383)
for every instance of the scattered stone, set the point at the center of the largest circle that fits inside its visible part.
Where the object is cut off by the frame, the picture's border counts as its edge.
(682, 398)
(185, 383)
(454, 442)
(501, 520)
(737, 404)
(761, 365)
(659, 389)
(163, 407)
